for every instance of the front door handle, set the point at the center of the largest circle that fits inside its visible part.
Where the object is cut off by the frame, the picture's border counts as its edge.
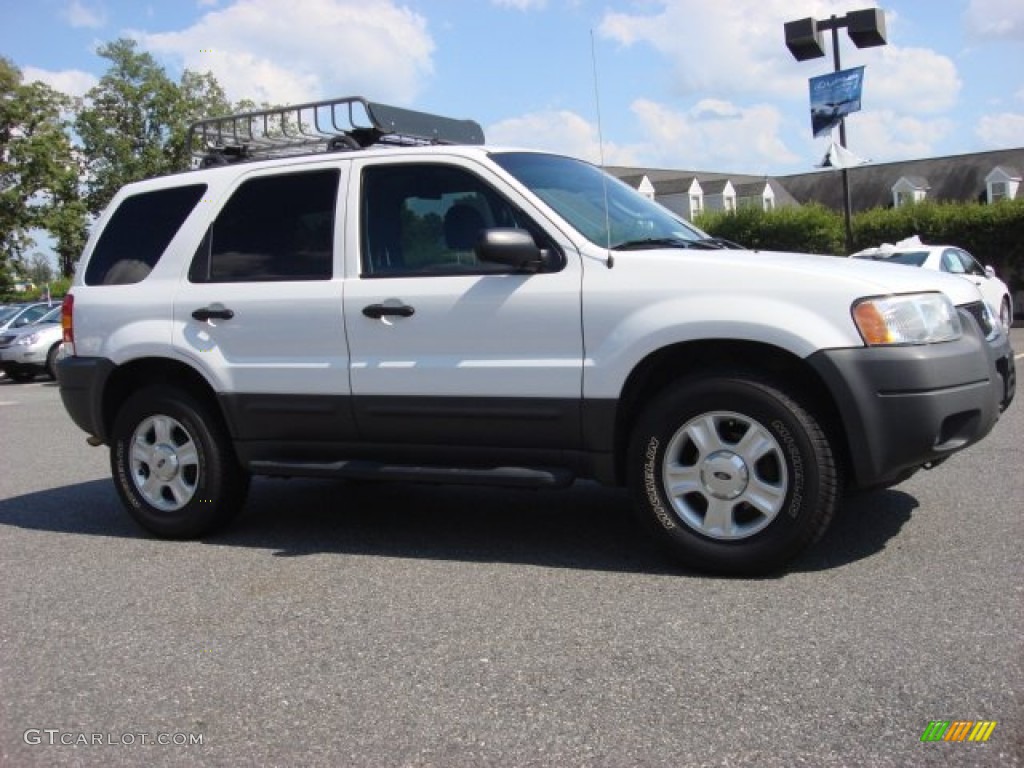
(377, 311)
(213, 312)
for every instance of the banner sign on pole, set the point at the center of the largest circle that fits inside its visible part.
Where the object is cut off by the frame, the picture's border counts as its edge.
(833, 97)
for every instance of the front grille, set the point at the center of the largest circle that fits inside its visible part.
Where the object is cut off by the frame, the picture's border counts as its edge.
(976, 310)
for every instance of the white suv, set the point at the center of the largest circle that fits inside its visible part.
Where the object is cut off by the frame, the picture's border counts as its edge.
(400, 301)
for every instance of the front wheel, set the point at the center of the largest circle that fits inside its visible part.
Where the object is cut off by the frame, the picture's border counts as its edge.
(733, 474)
(174, 466)
(51, 361)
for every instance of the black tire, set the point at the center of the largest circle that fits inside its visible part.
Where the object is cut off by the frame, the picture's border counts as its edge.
(22, 375)
(51, 361)
(753, 474)
(174, 466)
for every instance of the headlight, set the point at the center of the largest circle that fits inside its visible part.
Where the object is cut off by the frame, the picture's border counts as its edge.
(918, 318)
(995, 325)
(25, 341)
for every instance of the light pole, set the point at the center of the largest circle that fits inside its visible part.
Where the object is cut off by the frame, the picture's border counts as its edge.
(803, 38)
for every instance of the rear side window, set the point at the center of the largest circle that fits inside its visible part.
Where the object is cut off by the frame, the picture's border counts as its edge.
(138, 233)
(274, 228)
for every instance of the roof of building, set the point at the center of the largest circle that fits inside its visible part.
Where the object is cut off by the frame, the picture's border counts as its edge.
(952, 178)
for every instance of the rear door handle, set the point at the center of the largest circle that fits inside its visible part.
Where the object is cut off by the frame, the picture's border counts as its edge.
(378, 311)
(213, 312)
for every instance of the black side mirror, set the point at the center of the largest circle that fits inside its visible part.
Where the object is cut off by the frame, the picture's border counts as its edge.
(512, 247)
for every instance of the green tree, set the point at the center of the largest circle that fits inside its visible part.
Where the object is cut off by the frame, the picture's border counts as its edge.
(38, 269)
(125, 122)
(38, 169)
(135, 120)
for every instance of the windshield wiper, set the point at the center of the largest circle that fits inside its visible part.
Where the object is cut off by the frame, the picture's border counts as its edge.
(718, 242)
(655, 242)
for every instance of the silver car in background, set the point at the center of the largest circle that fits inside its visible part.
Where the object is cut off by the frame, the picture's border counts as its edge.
(29, 350)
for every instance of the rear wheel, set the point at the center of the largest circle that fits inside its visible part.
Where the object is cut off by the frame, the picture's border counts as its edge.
(733, 474)
(174, 466)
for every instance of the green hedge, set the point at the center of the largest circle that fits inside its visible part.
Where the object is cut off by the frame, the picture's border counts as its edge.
(58, 288)
(993, 233)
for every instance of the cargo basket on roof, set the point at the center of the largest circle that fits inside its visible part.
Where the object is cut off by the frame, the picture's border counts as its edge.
(347, 123)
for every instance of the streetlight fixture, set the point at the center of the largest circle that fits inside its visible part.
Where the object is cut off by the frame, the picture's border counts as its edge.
(804, 40)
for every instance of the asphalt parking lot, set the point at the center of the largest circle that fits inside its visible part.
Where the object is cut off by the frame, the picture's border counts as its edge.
(399, 625)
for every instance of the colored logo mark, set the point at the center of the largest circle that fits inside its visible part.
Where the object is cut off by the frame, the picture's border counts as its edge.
(958, 730)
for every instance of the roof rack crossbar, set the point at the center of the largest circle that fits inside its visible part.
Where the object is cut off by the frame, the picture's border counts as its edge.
(350, 122)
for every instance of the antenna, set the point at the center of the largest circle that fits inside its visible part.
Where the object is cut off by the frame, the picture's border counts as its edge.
(610, 261)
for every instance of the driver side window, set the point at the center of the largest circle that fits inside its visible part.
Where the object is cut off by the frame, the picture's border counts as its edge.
(426, 219)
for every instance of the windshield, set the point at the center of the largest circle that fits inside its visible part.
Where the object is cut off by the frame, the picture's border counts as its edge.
(603, 209)
(53, 316)
(910, 258)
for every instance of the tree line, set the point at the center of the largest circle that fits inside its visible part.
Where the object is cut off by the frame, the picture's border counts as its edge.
(989, 232)
(63, 158)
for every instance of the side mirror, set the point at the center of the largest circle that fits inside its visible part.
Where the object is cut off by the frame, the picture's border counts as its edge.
(989, 272)
(513, 248)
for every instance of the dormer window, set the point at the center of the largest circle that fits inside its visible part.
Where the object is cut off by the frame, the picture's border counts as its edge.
(646, 188)
(1002, 183)
(909, 190)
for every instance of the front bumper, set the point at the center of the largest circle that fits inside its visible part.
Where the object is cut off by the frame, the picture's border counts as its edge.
(24, 355)
(905, 407)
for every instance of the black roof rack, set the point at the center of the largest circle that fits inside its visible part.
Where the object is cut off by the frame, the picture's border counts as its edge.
(346, 123)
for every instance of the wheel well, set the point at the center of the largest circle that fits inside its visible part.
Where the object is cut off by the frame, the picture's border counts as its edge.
(131, 377)
(659, 370)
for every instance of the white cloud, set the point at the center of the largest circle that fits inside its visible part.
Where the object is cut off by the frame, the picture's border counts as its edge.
(332, 48)
(78, 14)
(1002, 131)
(885, 135)
(722, 47)
(521, 5)
(560, 131)
(911, 81)
(730, 55)
(995, 20)
(738, 47)
(714, 135)
(73, 82)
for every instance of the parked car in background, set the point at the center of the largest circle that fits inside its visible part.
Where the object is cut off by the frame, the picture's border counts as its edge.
(948, 258)
(20, 315)
(32, 349)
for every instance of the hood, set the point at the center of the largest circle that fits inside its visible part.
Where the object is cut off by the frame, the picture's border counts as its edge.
(785, 271)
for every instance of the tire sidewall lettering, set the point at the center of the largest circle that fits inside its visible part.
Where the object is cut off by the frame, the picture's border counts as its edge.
(652, 485)
(796, 467)
(123, 475)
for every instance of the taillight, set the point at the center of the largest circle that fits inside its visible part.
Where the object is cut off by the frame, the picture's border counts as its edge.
(67, 321)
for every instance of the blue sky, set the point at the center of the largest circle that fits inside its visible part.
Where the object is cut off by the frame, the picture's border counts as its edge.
(688, 84)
